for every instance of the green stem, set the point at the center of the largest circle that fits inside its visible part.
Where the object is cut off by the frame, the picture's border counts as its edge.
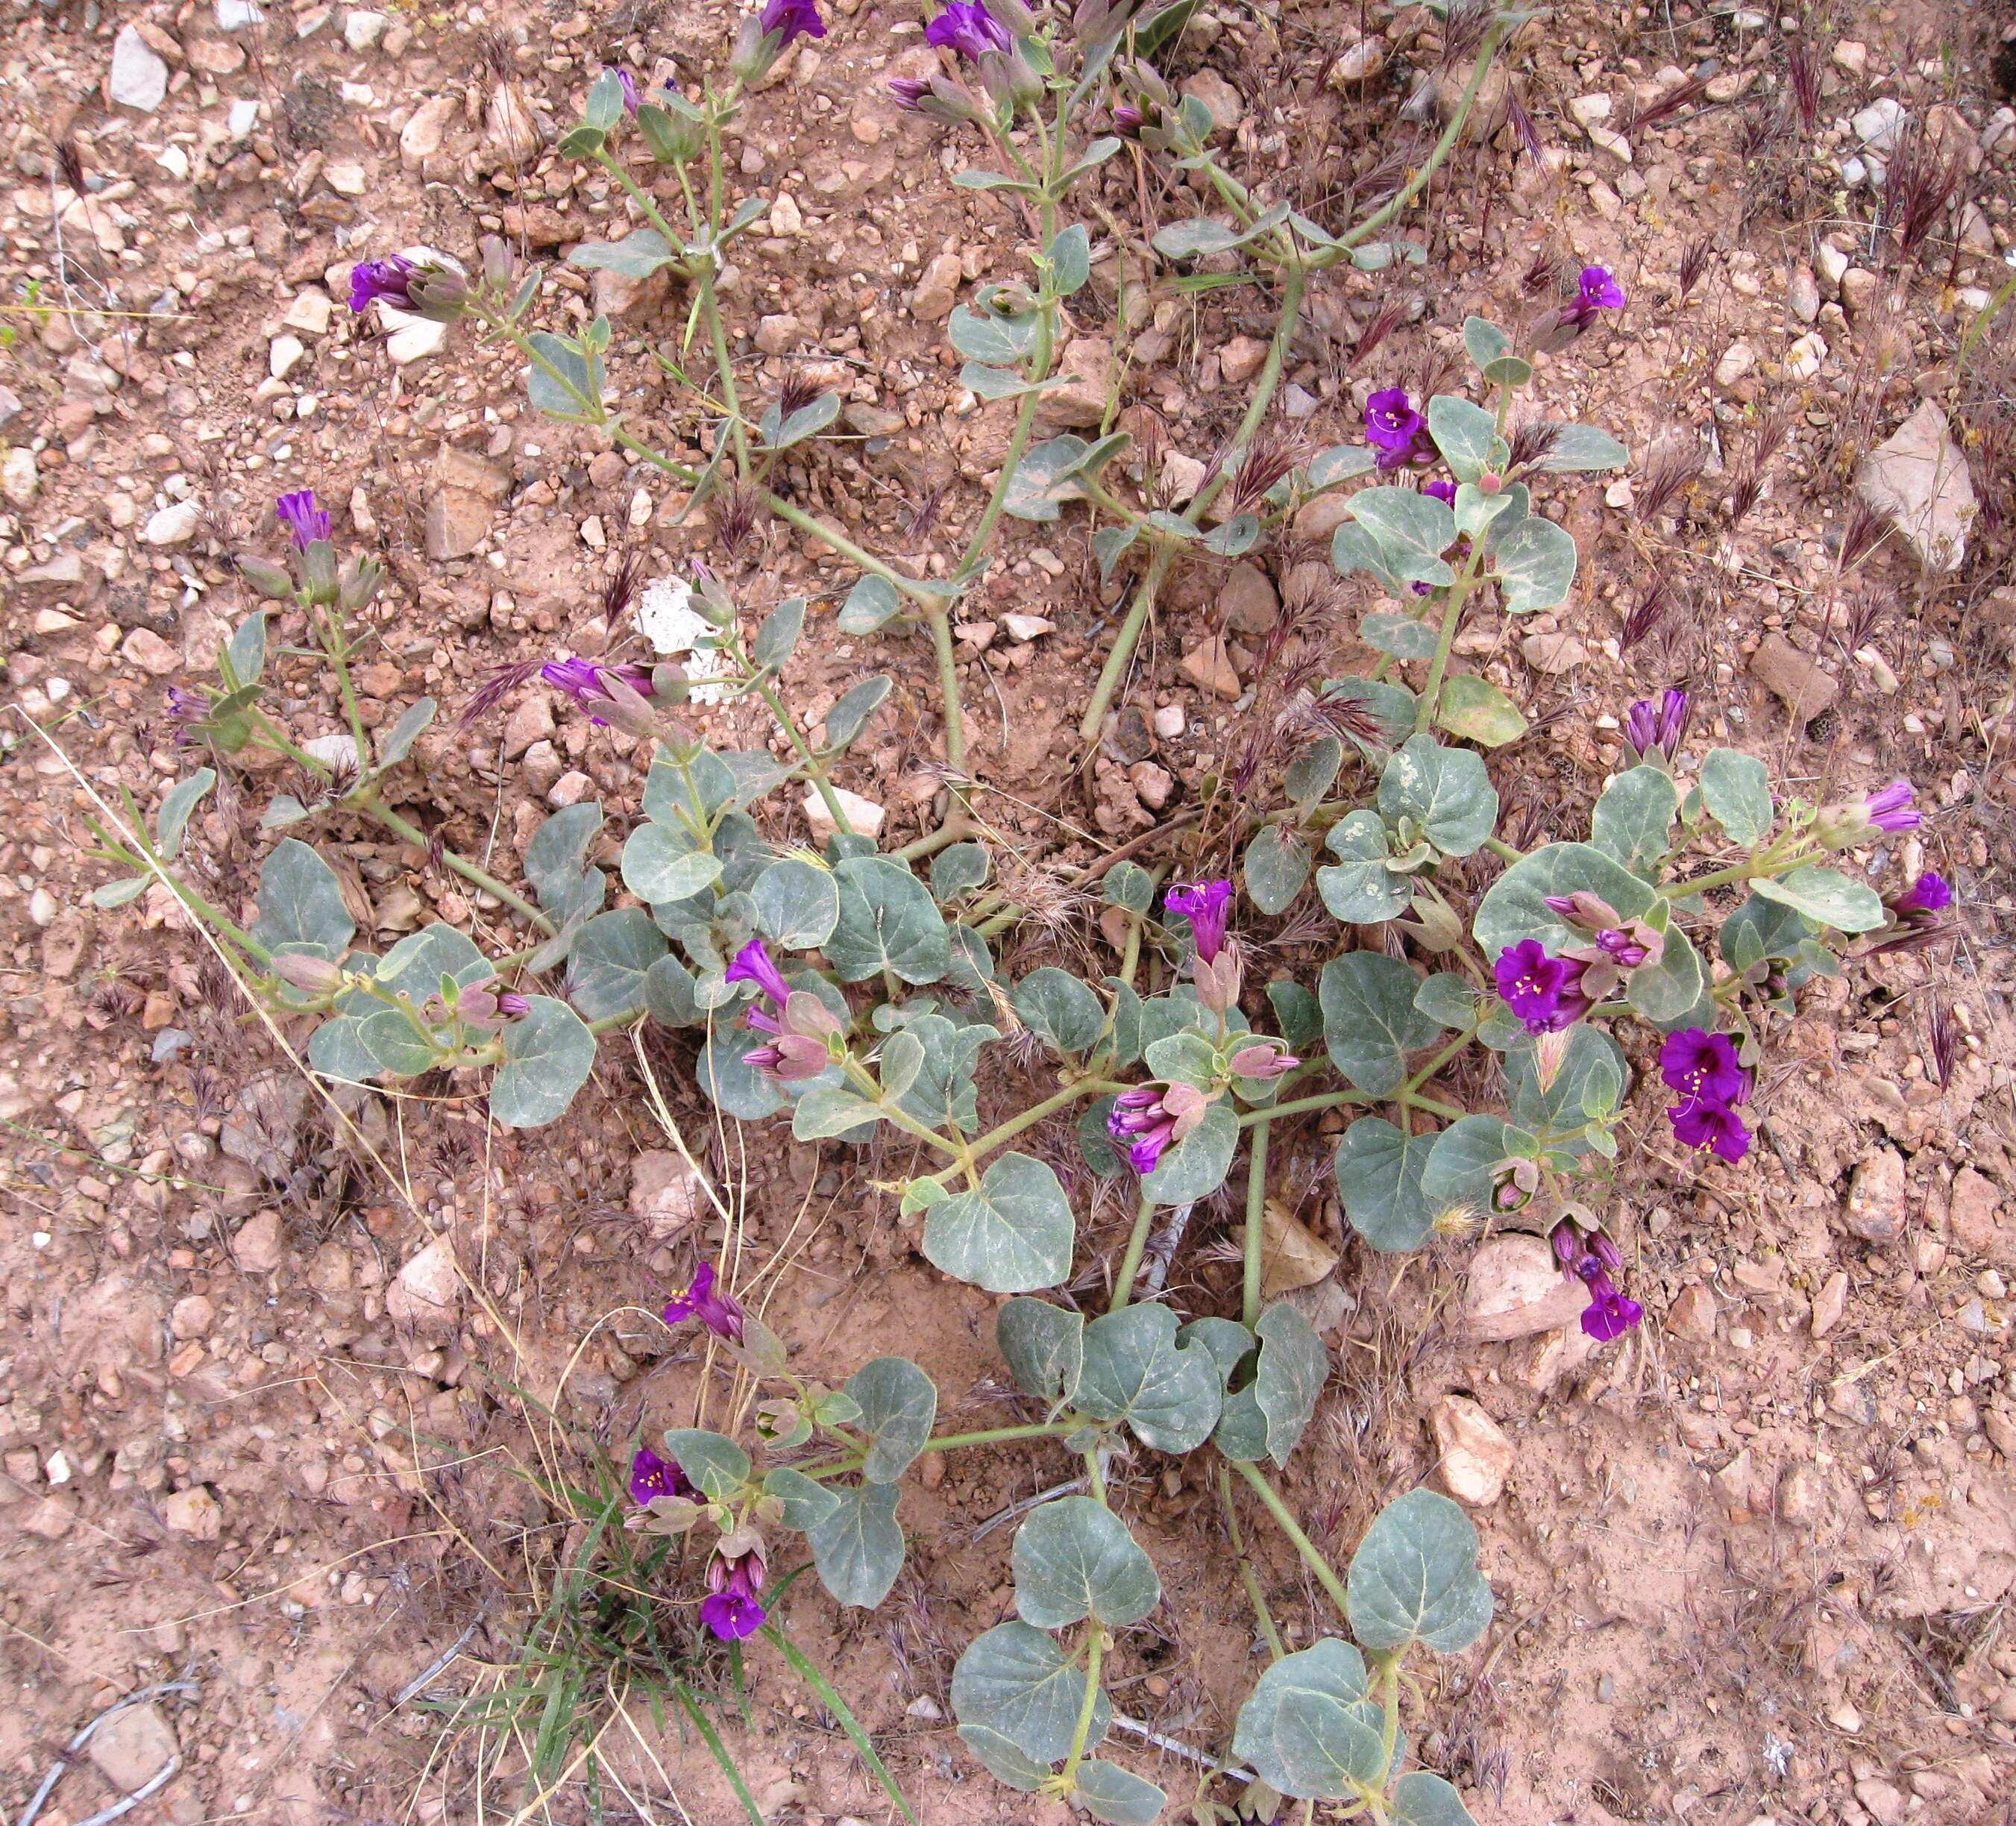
(1035, 1113)
(1439, 1060)
(1096, 1643)
(914, 588)
(952, 1443)
(336, 644)
(1424, 716)
(1389, 1701)
(1262, 1611)
(1328, 1100)
(1130, 1263)
(373, 806)
(1312, 1555)
(724, 365)
(1743, 871)
(1500, 848)
(814, 766)
(1256, 1226)
(939, 615)
(1125, 643)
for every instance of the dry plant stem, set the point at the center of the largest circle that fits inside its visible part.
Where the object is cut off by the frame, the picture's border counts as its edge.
(1312, 1555)
(1263, 1614)
(1256, 1225)
(371, 803)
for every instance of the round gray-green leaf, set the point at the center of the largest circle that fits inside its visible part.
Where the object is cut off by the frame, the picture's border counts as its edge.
(1135, 1371)
(1370, 1023)
(1415, 1578)
(958, 869)
(180, 800)
(899, 1402)
(1276, 865)
(1379, 1169)
(1360, 889)
(1002, 1760)
(1117, 1795)
(858, 1548)
(1463, 432)
(1447, 791)
(1465, 1161)
(612, 956)
(778, 638)
(660, 864)
(716, 1465)
(737, 1089)
(1421, 1798)
(1591, 1076)
(1012, 1235)
(1403, 636)
(1477, 710)
(1736, 790)
(417, 965)
(301, 903)
(1412, 529)
(1535, 564)
(1044, 1348)
(1195, 1167)
(805, 1501)
(1014, 1680)
(887, 921)
(872, 601)
(1311, 1728)
(1634, 819)
(848, 717)
(1827, 897)
(1665, 990)
(1074, 1558)
(1516, 907)
(547, 1054)
(1059, 1009)
(1295, 1362)
(797, 903)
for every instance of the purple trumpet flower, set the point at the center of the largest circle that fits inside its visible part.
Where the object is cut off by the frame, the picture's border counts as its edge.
(1915, 906)
(1444, 491)
(582, 680)
(753, 964)
(730, 1609)
(652, 1476)
(1891, 809)
(1700, 1064)
(1702, 1123)
(1545, 992)
(628, 84)
(1392, 426)
(391, 279)
(299, 515)
(1205, 905)
(795, 19)
(1592, 1259)
(966, 28)
(721, 1313)
(1596, 290)
(1662, 730)
(909, 91)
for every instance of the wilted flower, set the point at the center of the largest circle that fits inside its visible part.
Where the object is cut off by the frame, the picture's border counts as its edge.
(909, 91)
(1392, 426)
(481, 1005)
(967, 29)
(1514, 1184)
(586, 681)
(1147, 1122)
(1545, 992)
(303, 970)
(299, 515)
(1592, 1259)
(628, 84)
(721, 1313)
(1930, 894)
(730, 1609)
(1698, 1064)
(799, 1048)
(1128, 119)
(652, 1476)
(1659, 731)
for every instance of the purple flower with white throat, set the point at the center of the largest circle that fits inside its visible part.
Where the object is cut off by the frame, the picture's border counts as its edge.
(1931, 894)
(720, 1312)
(1392, 426)
(1592, 1258)
(968, 30)
(1701, 1122)
(302, 518)
(1148, 1122)
(1596, 290)
(652, 1476)
(1658, 730)
(1545, 992)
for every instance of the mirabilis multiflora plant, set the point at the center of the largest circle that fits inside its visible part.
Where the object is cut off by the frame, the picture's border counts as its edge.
(847, 990)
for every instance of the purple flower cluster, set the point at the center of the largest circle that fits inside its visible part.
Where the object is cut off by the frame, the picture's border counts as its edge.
(799, 1023)
(299, 515)
(1592, 1259)
(1713, 1084)
(583, 680)
(720, 1312)
(1395, 430)
(1545, 992)
(731, 1609)
(1659, 729)
(1148, 1122)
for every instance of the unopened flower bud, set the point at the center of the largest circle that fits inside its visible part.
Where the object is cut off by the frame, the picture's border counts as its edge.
(303, 970)
(500, 265)
(1012, 15)
(318, 573)
(270, 580)
(359, 582)
(1262, 1061)
(1513, 1187)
